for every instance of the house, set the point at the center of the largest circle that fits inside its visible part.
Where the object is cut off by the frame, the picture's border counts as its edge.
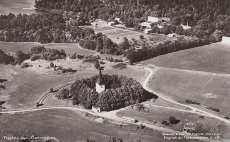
(171, 35)
(147, 31)
(111, 23)
(185, 27)
(145, 25)
(100, 85)
(118, 19)
(226, 40)
(153, 19)
(96, 109)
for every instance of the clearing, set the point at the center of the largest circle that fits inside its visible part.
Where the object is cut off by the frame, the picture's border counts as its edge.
(209, 58)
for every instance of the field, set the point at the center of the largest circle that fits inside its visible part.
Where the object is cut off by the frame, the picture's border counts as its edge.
(25, 87)
(66, 126)
(209, 90)
(117, 34)
(26, 46)
(209, 58)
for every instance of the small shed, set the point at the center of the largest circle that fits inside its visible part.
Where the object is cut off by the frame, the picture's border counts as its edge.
(96, 109)
(171, 35)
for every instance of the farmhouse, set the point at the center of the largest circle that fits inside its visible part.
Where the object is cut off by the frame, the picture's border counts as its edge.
(153, 19)
(100, 85)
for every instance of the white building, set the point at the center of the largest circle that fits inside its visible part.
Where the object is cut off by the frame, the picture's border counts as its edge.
(226, 40)
(153, 19)
(185, 27)
(96, 109)
(171, 35)
(146, 25)
(118, 19)
(100, 85)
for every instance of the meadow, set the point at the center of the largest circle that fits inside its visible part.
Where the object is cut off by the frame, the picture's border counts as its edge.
(209, 58)
(26, 46)
(66, 126)
(25, 87)
(208, 90)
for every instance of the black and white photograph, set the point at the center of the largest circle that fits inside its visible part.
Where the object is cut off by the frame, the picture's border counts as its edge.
(114, 70)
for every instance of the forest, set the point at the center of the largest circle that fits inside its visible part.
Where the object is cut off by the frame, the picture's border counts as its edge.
(204, 16)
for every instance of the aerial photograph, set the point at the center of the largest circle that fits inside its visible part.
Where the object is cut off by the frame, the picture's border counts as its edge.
(114, 70)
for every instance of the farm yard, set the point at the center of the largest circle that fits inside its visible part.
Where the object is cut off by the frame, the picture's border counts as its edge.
(66, 126)
(209, 58)
(208, 90)
(26, 46)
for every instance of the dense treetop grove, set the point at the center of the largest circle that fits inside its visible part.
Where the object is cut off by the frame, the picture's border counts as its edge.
(120, 92)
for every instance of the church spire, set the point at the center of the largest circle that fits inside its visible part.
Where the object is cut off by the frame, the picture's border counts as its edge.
(100, 77)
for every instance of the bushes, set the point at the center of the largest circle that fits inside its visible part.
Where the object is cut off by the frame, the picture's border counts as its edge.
(68, 70)
(213, 109)
(131, 92)
(41, 52)
(64, 94)
(5, 58)
(120, 66)
(191, 102)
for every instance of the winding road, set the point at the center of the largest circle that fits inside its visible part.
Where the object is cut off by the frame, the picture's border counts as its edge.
(196, 110)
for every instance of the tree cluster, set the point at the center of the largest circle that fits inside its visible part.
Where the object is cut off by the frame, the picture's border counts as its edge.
(5, 58)
(40, 52)
(129, 92)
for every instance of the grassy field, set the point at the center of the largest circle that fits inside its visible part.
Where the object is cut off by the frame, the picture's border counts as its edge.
(209, 58)
(26, 46)
(208, 90)
(25, 87)
(66, 126)
(117, 34)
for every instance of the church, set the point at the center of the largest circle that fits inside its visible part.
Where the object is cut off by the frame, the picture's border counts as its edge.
(100, 84)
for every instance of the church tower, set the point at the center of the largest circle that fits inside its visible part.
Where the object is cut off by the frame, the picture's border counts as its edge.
(100, 85)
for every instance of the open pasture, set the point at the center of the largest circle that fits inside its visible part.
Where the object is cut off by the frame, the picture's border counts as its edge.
(65, 126)
(209, 58)
(209, 90)
(26, 46)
